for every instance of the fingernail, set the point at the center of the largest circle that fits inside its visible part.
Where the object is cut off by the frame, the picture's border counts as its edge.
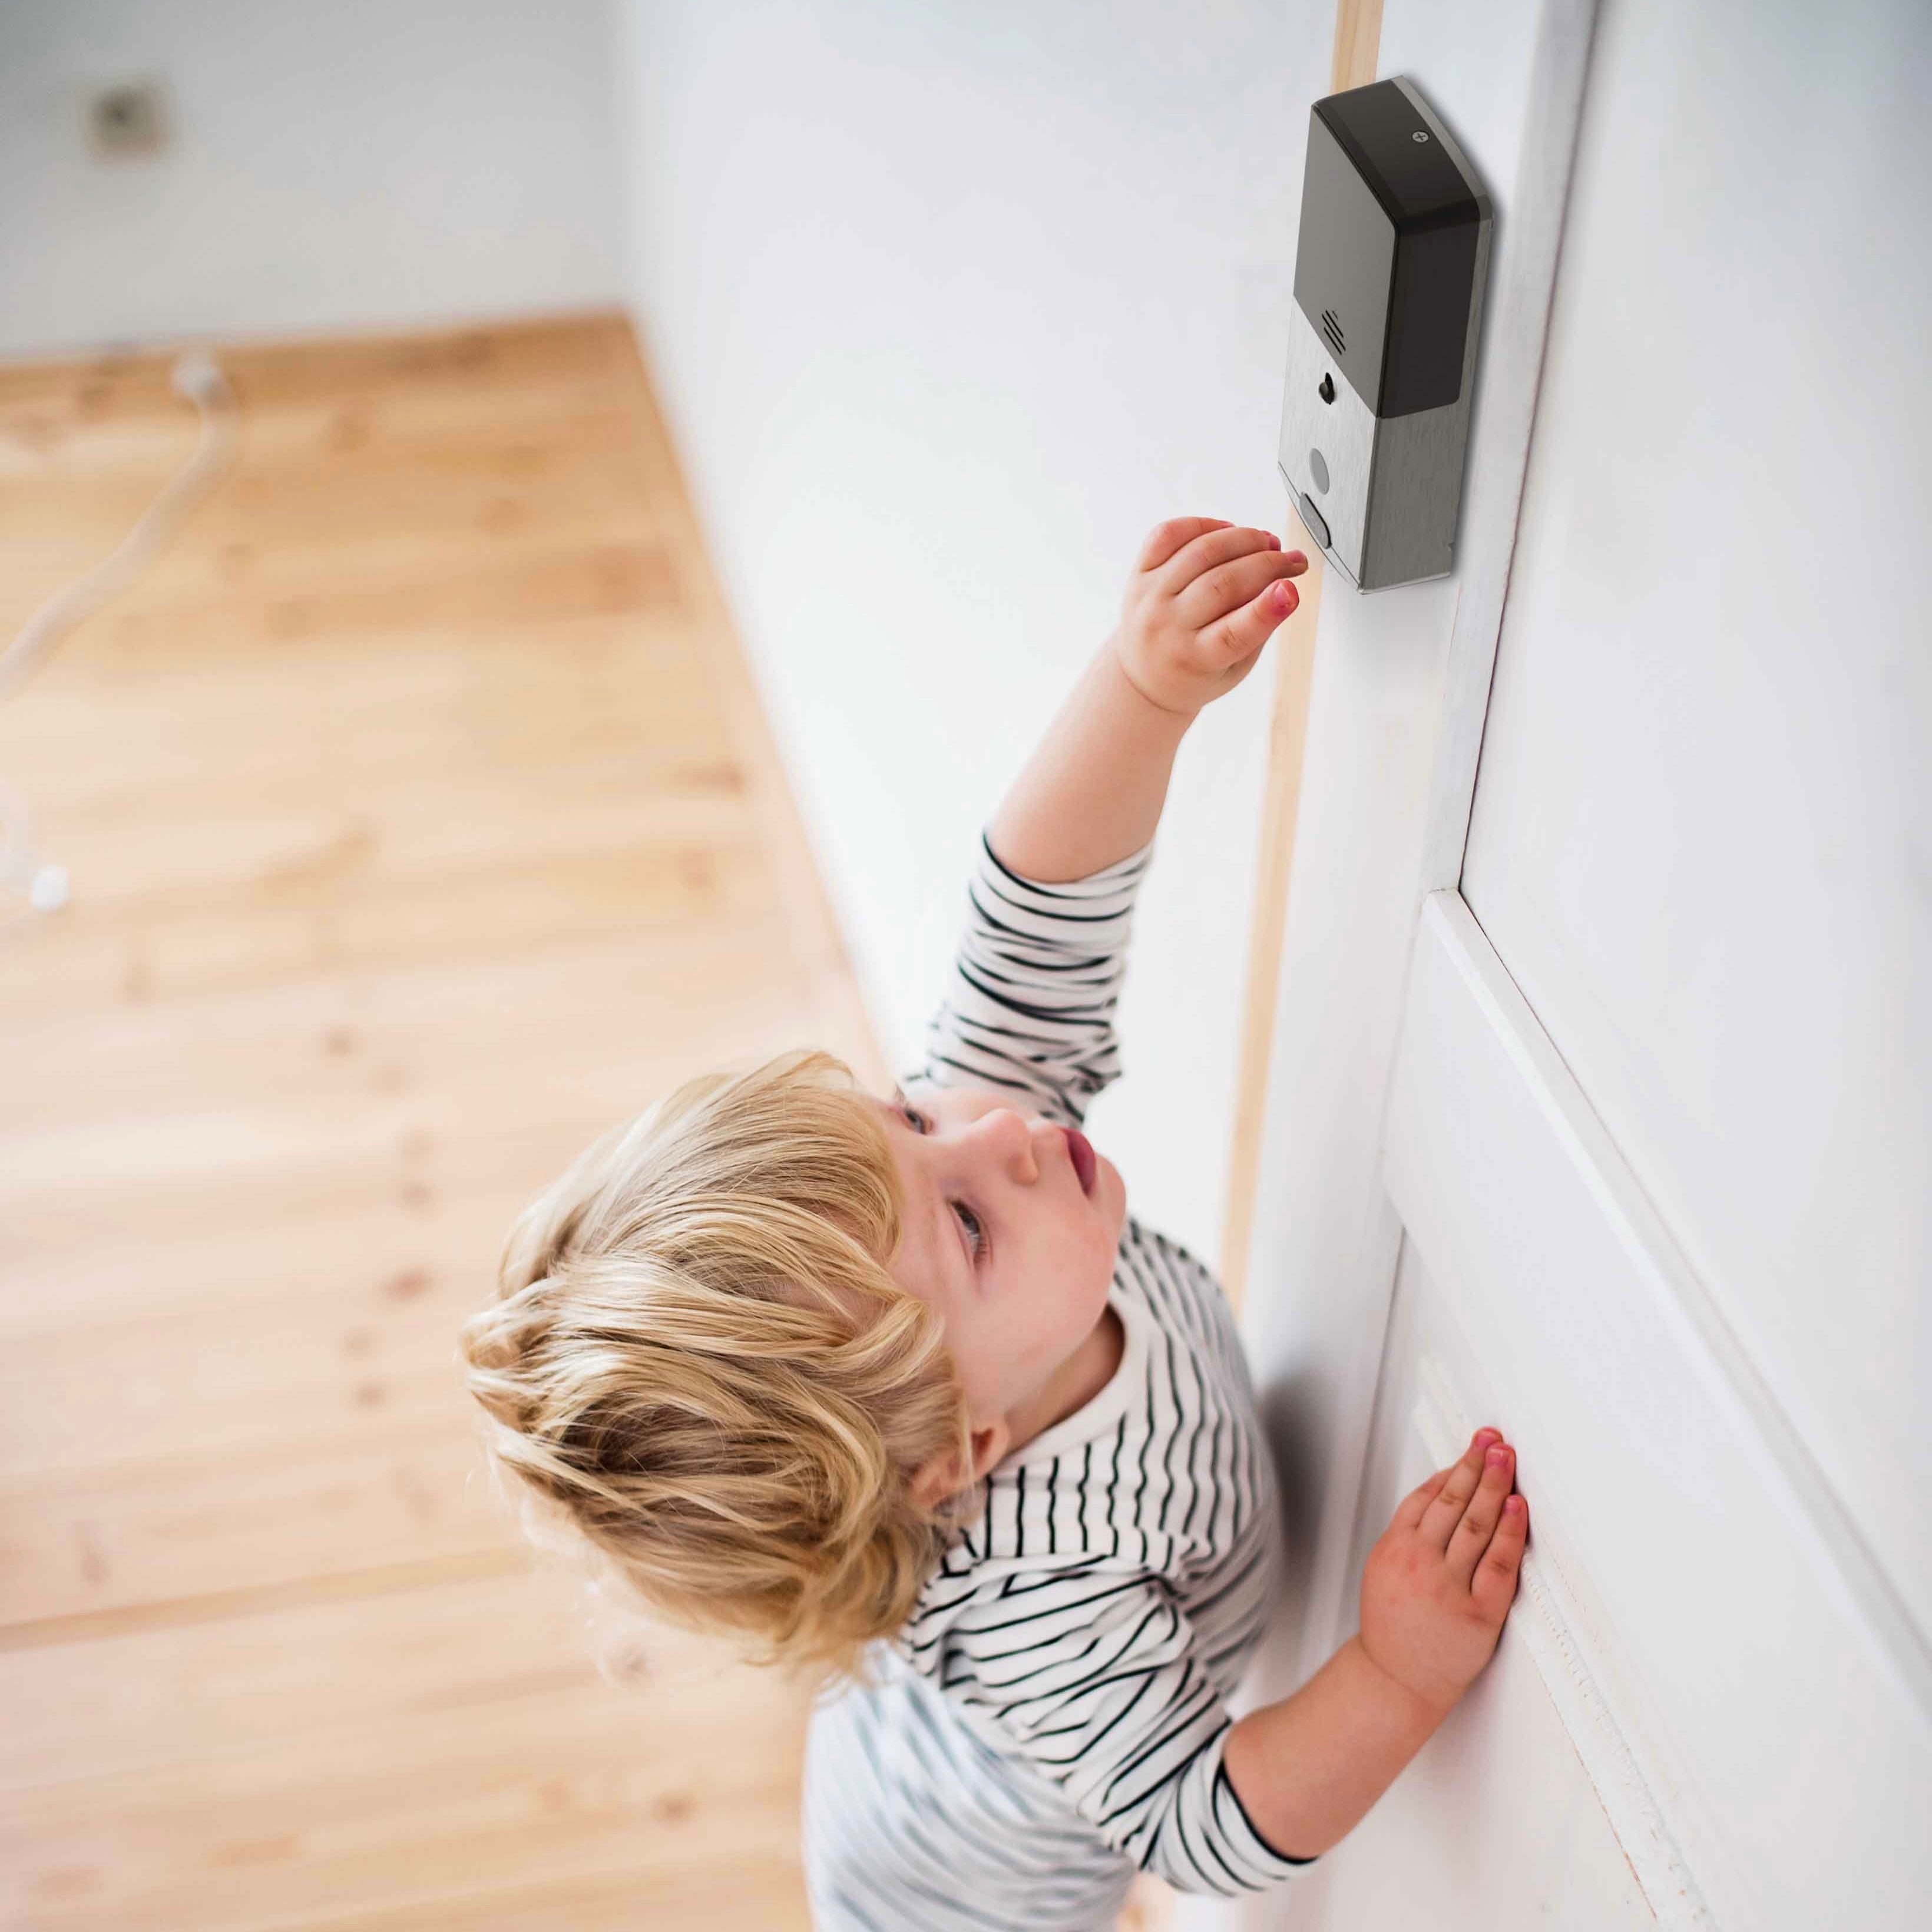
(1300, 557)
(1489, 1436)
(1514, 1505)
(1497, 1458)
(1274, 542)
(1286, 594)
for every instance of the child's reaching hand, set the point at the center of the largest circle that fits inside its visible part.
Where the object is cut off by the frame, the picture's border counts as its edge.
(1204, 597)
(1436, 1588)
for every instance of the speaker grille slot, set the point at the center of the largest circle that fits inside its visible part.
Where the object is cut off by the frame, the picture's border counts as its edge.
(1331, 327)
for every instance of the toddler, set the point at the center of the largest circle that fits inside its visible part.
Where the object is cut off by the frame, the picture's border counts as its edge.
(899, 1388)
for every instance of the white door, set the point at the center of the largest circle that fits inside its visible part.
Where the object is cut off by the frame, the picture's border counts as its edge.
(1658, 1135)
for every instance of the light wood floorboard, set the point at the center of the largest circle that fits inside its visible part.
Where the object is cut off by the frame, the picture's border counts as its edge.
(421, 823)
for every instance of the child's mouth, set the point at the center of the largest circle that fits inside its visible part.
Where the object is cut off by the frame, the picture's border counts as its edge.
(1085, 1162)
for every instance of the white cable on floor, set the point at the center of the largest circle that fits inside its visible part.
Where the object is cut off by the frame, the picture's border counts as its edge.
(198, 377)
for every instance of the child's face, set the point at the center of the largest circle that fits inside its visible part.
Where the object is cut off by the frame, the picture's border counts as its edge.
(1001, 1237)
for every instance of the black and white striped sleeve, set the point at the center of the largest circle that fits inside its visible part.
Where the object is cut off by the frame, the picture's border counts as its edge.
(1030, 1005)
(1096, 1680)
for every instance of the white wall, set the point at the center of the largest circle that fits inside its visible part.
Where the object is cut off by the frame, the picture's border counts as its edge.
(948, 306)
(364, 163)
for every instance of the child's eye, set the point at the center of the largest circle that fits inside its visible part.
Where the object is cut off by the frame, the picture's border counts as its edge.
(976, 1230)
(976, 1234)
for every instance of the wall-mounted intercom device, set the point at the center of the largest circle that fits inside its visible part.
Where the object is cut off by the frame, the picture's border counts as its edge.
(1389, 275)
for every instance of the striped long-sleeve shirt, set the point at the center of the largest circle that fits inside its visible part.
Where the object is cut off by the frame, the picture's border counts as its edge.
(1054, 1714)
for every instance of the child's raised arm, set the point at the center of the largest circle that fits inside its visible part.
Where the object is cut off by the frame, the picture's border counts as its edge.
(1204, 600)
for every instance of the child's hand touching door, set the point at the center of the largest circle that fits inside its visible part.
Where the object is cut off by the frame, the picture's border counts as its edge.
(1435, 1592)
(1437, 1586)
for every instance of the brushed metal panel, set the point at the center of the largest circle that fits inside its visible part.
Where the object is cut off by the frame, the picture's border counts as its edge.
(1344, 431)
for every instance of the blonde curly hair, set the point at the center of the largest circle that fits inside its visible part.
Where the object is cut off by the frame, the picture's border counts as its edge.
(698, 1364)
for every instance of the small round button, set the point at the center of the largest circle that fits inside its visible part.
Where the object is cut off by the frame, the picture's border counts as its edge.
(1318, 469)
(1418, 136)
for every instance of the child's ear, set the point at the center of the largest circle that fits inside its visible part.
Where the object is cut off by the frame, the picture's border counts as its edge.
(945, 1474)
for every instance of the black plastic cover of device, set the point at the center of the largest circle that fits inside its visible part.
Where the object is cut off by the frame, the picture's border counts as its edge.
(1390, 296)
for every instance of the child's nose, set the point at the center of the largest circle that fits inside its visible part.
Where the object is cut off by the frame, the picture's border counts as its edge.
(1010, 1135)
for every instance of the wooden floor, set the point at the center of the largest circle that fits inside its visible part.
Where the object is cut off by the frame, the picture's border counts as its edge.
(420, 825)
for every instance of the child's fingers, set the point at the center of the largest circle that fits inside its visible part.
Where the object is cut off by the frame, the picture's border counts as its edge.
(1230, 588)
(1235, 638)
(1494, 1584)
(1408, 1511)
(1164, 540)
(1440, 1519)
(1470, 1536)
(1201, 556)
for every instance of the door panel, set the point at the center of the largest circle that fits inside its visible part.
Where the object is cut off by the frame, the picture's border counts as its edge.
(1658, 1133)
(1701, 840)
(1660, 1127)
(1752, 1690)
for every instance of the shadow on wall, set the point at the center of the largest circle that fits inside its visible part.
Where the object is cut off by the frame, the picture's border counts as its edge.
(1289, 1410)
